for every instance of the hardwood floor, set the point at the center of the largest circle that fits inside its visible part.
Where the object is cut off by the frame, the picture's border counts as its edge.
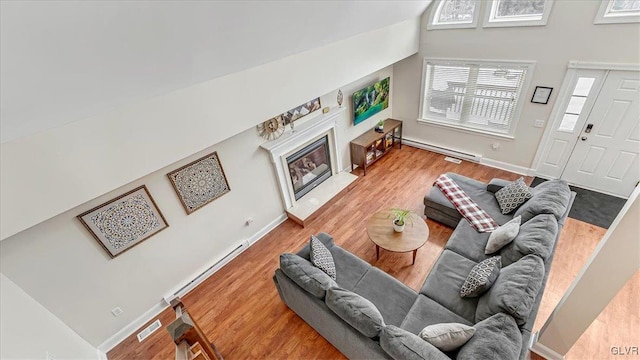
(239, 309)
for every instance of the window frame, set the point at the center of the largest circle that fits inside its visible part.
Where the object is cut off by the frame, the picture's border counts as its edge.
(490, 21)
(525, 93)
(603, 18)
(435, 11)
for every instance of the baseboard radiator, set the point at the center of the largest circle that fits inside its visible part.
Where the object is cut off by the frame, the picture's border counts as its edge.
(205, 274)
(443, 150)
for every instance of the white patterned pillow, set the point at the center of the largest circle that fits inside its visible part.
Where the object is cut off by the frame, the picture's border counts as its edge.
(481, 277)
(513, 195)
(321, 257)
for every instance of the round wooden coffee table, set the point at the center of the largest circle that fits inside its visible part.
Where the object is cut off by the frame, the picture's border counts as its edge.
(380, 230)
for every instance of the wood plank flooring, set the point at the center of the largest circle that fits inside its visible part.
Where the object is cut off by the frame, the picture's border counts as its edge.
(239, 309)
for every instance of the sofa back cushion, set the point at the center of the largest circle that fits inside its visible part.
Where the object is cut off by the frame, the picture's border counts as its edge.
(549, 197)
(313, 280)
(403, 345)
(515, 290)
(496, 337)
(537, 237)
(356, 311)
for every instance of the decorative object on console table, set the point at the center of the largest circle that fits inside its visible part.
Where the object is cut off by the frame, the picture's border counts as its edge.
(541, 95)
(380, 126)
(370, 101)
(124, 222)
(199, 182)
(272, 128)
(371, 146)
(300, 111)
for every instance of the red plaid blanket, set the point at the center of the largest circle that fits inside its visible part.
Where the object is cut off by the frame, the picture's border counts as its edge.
(479, 219)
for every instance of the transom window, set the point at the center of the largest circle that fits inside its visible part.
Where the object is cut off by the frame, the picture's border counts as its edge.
(517, 12)
(618, 11)
(454, 14)
(478, 96)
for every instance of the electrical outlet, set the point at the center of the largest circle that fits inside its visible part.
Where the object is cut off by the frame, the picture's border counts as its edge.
(116, 311)
(50, 356)
(538, 123)
(249, 221)
(495, 146)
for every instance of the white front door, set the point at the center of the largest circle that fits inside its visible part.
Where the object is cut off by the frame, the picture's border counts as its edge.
(605, 157)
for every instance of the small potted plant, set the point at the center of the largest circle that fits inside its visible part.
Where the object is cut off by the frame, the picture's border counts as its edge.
(401, 217)
(380, 126)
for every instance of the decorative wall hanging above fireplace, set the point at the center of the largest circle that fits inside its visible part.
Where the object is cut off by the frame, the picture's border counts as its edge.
(125, 221)
(199, 182)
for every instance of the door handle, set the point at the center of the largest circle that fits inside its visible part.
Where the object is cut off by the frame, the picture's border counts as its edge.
(588, 129)
(584, 138)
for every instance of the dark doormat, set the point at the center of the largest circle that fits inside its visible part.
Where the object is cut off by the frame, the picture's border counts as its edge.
(592, 207)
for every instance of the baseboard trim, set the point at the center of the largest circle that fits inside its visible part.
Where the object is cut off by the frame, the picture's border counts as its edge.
(542, 350)
(198, 278)
(522, 170)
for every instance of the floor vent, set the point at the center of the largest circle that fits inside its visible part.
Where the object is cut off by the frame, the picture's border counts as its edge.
(149, 330)
(453, 160)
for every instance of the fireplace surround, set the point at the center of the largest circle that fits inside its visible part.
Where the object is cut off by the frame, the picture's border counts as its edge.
(309, 187)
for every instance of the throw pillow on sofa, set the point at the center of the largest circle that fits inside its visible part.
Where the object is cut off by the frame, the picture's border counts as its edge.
(496, 338)
(355, 310)
(481, 277)
(537, 237)
(403, 345)
(503, 235)
(307, 276)
(515, 290)
(447, 336)
(321, 257)
(549, 197)
(513, 195)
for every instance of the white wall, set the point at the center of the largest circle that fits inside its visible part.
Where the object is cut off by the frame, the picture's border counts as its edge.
(29, 331)
(54, 171)
(569, 35)
(59, 264)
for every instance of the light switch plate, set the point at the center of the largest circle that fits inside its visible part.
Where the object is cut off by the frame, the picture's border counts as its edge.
(538, 123)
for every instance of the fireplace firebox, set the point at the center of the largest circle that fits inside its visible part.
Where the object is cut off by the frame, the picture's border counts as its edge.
(309, 166)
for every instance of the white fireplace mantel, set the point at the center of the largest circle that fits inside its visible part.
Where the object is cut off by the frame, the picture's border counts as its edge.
(291, 141)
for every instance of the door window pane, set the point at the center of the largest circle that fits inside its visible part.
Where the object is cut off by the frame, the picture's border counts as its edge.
(583, 86)
(568, 123)
(575, 105)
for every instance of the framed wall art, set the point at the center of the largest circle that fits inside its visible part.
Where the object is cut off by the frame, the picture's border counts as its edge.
(541, 95)
(199, 182)
(124, 222)
(301, 110)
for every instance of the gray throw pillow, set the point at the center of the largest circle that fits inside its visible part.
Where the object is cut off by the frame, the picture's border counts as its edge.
(513, 195)
(403, 345)
(514, 292)
(497, 337)
(503, 235)
(537, 236)
(549, 197)
(321, 257)
(481, 277)
(356, 311)
(302, 272)
(447, 336)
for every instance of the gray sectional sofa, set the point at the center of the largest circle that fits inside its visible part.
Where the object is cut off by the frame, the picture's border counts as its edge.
(503, 316)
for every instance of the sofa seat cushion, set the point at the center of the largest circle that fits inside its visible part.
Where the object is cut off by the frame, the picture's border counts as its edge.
(392, 298)
(537, 236)
(549, 197)
(445, 280)
(356, 311)
(467, 242)
(403, 345)
(425, 312)
(349, 268)
(515, 290)
(313, 280)
(496, 337)
(476, 190)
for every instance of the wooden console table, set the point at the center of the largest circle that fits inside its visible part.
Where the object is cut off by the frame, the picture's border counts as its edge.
(372, 145)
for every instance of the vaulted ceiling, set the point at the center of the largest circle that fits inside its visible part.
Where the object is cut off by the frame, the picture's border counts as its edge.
(62, 61)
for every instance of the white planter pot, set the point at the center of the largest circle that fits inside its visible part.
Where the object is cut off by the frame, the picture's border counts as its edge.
(398, 228)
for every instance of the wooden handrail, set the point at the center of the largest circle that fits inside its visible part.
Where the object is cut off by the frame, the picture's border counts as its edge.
(186, 333)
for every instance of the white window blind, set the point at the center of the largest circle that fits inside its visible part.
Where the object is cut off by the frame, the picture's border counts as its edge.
(481, 96)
